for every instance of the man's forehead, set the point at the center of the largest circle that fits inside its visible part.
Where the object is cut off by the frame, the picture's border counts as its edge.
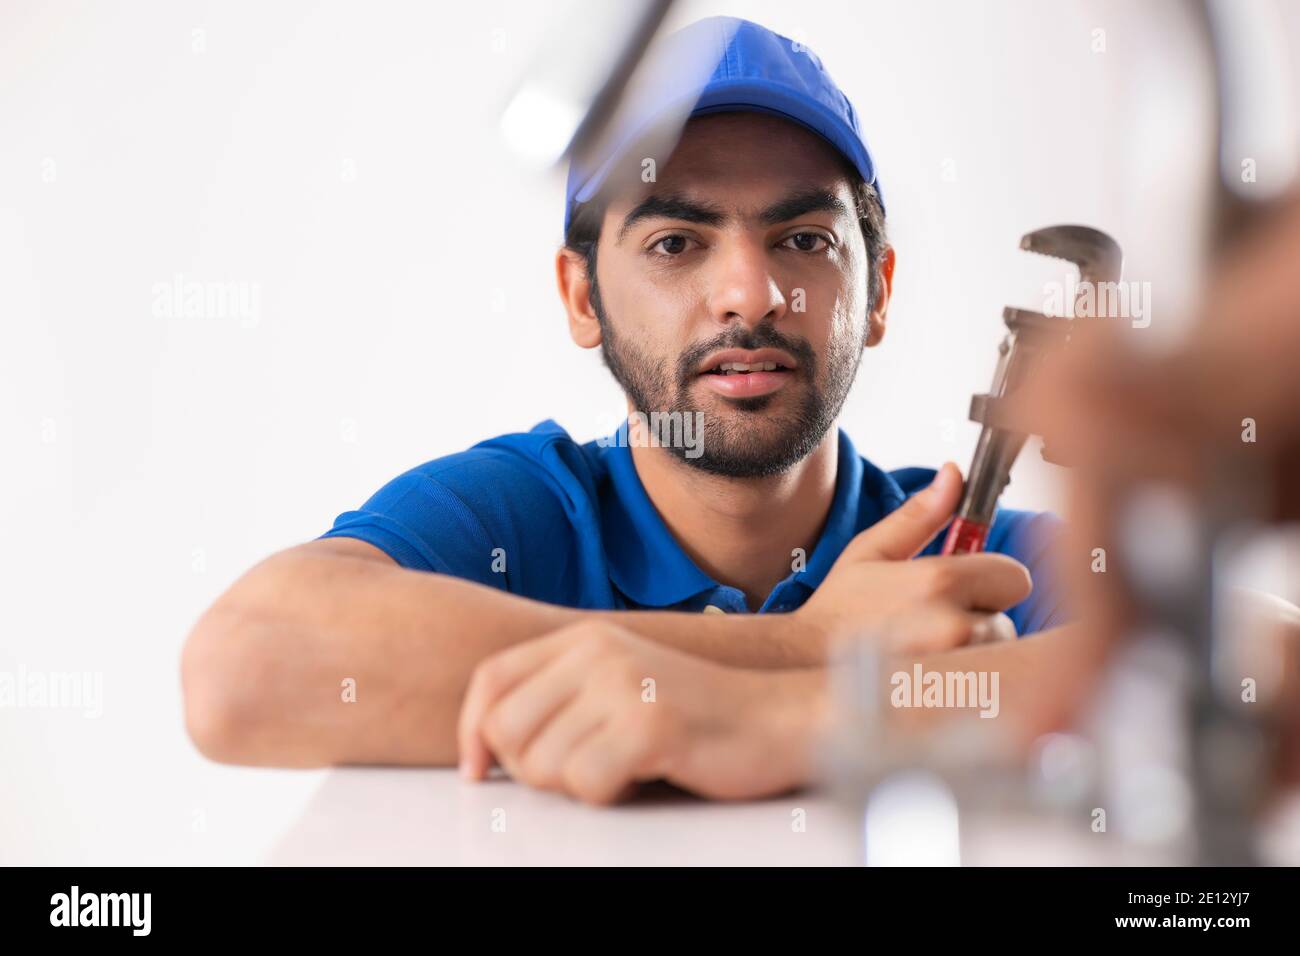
(737, 163)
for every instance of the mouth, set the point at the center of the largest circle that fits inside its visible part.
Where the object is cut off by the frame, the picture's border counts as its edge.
(736, 373)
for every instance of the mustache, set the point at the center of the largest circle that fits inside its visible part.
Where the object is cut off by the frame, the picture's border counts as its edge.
(762, 336)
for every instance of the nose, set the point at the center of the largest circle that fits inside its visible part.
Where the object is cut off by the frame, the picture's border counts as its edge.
(741, 285)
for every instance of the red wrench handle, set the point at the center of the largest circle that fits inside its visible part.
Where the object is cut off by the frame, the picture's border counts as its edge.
(965, 537)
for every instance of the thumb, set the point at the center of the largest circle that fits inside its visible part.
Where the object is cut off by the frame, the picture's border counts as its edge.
(902, 533)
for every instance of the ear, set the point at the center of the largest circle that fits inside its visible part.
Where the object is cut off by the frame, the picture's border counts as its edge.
(575, 292)
(876, 318)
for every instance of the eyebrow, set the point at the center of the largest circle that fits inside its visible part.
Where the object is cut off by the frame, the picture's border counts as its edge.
(801, 203)
(674, 206)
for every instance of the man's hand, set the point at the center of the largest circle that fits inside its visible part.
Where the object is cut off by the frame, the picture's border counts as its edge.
(873, 580)
(592, 709)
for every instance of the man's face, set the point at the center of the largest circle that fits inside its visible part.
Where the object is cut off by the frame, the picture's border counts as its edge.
(746, 249)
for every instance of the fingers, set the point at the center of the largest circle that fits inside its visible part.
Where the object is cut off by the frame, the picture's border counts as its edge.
(932, 628)
(978, 582)
(491, 681)
(572, 716)
(528, 707)
(993, 629)
(905, 531)
(511, 724)
(542, 762)
(610, 761)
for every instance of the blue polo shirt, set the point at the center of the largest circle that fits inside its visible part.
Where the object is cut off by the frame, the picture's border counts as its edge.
(539, 515)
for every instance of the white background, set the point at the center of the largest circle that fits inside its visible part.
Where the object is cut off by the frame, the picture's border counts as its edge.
(343, 158)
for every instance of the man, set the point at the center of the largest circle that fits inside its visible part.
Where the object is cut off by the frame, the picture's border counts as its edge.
(590, 616)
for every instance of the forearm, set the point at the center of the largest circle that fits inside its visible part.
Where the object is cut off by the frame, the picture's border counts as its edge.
(320, 656)
(757, 641)
(1042, 681)
(796, 721)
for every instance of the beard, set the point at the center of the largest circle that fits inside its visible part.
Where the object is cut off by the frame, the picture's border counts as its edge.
(751, 437)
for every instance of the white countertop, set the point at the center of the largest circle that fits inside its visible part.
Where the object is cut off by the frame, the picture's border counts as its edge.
(431, 817)
(409, 817)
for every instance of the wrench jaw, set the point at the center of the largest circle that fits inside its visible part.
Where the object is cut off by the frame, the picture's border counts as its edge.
(1098, 256)
(1029, 335)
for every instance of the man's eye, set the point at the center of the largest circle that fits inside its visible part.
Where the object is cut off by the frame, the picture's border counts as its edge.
(807, 242)
(670, 245)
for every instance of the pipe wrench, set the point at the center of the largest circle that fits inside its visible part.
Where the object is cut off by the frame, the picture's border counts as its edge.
(1029, 334)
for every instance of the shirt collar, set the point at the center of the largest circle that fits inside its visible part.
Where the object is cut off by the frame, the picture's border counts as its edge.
(648, 565)
(645, 561)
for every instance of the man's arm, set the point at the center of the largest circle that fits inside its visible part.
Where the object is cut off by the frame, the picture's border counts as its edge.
(269, 670)
(265, 668)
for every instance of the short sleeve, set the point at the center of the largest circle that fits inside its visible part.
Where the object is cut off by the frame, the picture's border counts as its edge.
(489, 515)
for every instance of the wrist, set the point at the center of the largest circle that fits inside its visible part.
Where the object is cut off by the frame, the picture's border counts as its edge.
(797, 637)
(793, 713)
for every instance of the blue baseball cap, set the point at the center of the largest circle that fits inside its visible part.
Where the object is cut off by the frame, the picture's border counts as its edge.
(753, 69)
